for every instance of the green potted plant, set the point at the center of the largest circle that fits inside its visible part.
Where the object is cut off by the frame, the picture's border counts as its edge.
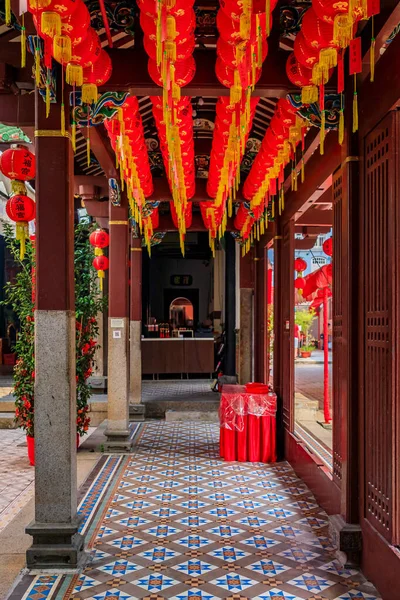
(305, 319)
(88, 304)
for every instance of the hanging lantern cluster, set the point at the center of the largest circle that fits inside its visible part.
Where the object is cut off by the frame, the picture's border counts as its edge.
(214, 218)
(266, 178)
(251, 224)
(231, 132)
(168, 27)
(300, 266)
(177, 143)
(126, 134)
(150, 223)
(100, 239)
(64, 25)
(18, 164)
(328, 27)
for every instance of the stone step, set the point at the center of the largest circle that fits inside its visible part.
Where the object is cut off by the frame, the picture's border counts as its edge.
(7, 421)
(203, 416)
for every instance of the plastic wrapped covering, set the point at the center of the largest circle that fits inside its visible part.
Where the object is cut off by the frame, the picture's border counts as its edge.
(237, 404)
(247, 425)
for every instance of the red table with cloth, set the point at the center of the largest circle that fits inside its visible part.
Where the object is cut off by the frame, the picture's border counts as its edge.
(247, 425)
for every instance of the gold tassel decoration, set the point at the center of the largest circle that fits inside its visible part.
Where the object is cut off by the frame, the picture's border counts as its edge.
(89, 93)
(372, 53)
(268, 16)
(62, 114)
(342, 30)
(355, 106)
(170, 50)
(309, 94)
(171, 27)
(37, 66)
(23, 42)
(101, 276)
(8, 12)
(74, 75)
(18, 187)
(302, 169)
(328, 57)
(50, 23)
(73, 136)
(21, 234)
(62, 49)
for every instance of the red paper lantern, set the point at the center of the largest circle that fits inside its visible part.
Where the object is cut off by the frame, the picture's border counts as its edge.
(180, 7)
(184, 71)
(99, 238)
(299, 283)
(317, 33)
(20, 208)
(76, 25)
(18, 163)
(305, 54)
(297, 74)
(300, 265)
(100, 72)
(327, 10)
(101, 263)
(327, 246)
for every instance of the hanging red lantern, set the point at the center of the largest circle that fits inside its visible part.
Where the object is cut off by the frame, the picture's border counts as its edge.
(101, 264)
(18, 163)
(300, 265)
(306, 55)
(96, 76)
(184, 71)
(297, 74)
(327, 246)
(21, 209)
(76, 25)
(99, 238)
(317, 33)
(299, 283)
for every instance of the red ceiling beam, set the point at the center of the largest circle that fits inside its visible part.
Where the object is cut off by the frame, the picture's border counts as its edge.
(316, 217)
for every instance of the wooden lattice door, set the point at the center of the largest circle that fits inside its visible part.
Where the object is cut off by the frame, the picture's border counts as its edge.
(287, 295)
(380, 325)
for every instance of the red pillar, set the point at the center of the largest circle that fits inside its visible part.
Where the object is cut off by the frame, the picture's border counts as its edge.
(246, 317)
(260, 320)
(135, 355)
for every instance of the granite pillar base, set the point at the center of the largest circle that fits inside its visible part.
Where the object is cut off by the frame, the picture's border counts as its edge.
(55, 546)
(348, 538)
(135, 359)
(117, 431)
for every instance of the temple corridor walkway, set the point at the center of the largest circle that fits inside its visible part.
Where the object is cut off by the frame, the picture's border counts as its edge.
(172, 521)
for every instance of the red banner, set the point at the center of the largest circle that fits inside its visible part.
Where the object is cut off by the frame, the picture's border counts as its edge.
(355, 58)
(340, 73)
(373, 7)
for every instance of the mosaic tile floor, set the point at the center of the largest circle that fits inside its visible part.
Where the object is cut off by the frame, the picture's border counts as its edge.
(181, 524)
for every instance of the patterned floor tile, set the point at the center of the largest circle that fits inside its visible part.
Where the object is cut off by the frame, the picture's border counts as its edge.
(182, 524)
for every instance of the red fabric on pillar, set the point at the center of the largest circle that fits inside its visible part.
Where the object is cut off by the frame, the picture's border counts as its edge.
(254, 438)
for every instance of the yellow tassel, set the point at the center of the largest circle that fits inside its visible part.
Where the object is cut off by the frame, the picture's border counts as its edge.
(302, 170)
(355, 112)
(73, 136)
(8, 12)
(48, 98)
(341, 127)
(170, 50)
(273, 208)
(74, 74)
(176, 92)
(62, 49)
(21, 234)
(322, 133)
(259, 42)
(62, 114)
(282, 198)
(37, 67)
(309, 94)
(88, 158)
(342, 30)
(171, 27)
(98, 252)
(244, 26)
(267, 15)
(89, 93)
(18, 187)
(23, 42)
(50, 23)
(372, 59)
(320, 74)
(328, 57)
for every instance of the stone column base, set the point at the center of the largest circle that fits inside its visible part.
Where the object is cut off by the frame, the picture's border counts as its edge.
(55, 546)
(137, 412)
(117, 441)
(348, 538)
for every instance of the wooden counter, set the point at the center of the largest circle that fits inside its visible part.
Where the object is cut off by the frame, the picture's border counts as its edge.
(177, 355)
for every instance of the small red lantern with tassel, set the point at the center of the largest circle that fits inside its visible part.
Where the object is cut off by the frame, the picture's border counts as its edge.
(18, 164)
(100, 240)
(21, 209)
